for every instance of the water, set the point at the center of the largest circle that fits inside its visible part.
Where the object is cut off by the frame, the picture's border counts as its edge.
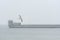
(29, 33)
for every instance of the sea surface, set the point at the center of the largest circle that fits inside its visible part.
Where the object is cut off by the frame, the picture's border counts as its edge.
(7, 33)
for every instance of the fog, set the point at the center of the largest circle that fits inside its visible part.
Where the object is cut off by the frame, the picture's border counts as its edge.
(32, 11)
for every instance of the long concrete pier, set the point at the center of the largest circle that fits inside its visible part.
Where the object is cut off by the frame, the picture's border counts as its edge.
(34, 26)
(12, 24)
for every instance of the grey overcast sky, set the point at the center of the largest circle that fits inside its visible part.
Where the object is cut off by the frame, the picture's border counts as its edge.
(32, 11)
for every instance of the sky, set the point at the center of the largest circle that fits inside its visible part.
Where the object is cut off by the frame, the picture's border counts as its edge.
(32, 11)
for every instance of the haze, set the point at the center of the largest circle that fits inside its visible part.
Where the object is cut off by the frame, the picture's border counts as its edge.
(32, 11)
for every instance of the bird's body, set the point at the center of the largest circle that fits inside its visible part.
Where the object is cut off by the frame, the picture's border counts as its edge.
(20, 18)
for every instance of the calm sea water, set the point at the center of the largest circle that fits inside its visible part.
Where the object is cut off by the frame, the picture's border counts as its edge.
(29, 33)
